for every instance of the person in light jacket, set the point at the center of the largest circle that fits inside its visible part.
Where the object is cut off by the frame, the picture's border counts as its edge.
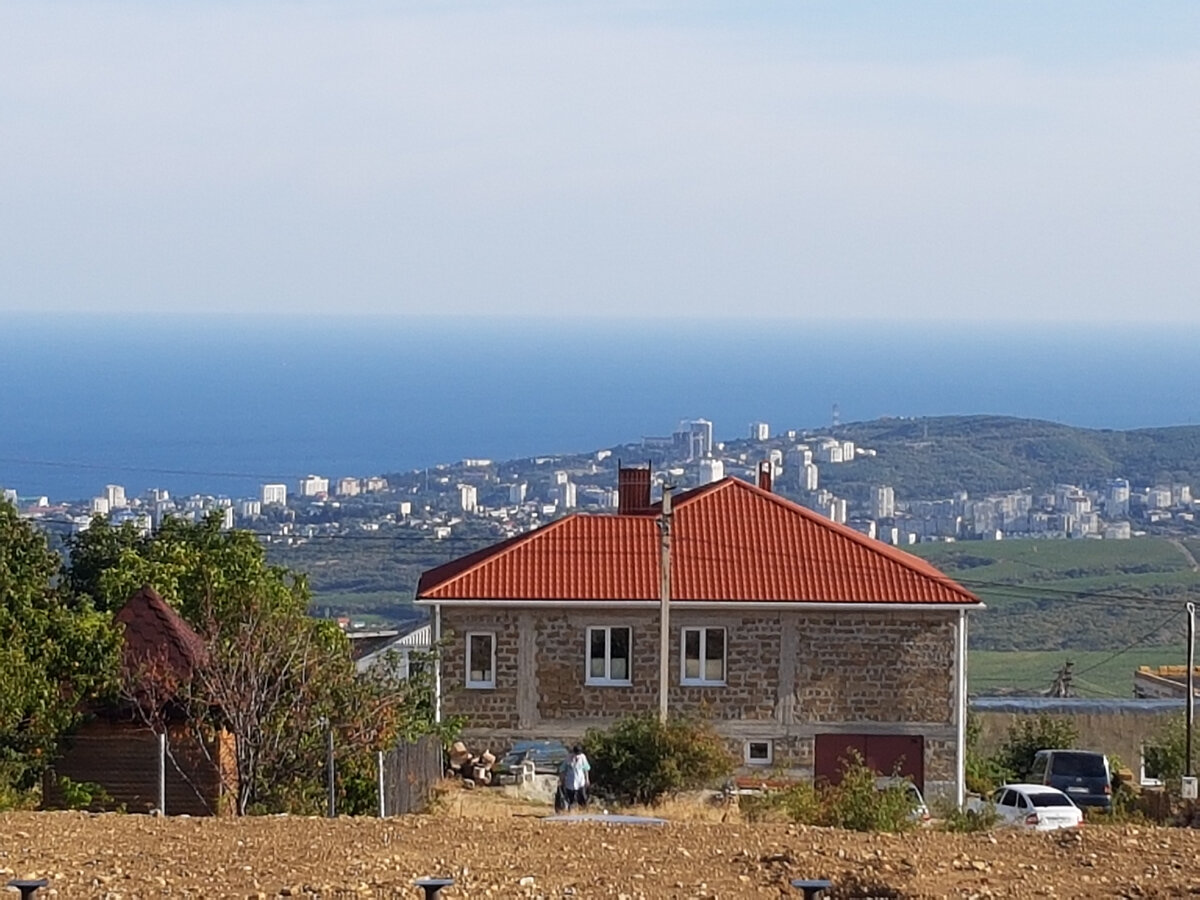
(573, 781)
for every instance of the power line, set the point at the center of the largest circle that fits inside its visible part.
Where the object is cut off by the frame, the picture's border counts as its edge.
(1140, 641)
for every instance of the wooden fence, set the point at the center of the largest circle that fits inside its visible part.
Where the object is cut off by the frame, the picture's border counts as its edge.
(409, 773)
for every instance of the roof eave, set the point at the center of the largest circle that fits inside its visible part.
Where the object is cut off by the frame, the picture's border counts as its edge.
(845, 605)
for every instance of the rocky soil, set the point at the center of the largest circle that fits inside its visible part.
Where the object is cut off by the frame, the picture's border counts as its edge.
(120, 856)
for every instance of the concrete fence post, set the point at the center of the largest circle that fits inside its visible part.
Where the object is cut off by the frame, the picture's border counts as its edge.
(382, 796)
(162, 773)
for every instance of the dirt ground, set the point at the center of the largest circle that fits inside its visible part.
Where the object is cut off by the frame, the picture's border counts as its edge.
(516, 855)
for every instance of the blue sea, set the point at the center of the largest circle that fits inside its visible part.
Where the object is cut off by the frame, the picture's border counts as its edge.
(221, 405)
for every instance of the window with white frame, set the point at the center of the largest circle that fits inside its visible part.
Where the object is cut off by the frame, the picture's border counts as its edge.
(703, 656)
(481, 659)
(759, 753)
(609, 654)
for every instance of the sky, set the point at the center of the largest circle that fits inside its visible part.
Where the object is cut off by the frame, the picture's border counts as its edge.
(1018, 162)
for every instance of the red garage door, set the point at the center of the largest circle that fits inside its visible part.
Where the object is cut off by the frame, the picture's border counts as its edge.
(885, 753)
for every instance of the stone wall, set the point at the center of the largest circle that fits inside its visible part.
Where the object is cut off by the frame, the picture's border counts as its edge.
(484, 708)
(789, 675)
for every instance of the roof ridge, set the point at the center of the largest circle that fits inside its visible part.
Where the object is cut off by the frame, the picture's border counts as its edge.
(914, 564)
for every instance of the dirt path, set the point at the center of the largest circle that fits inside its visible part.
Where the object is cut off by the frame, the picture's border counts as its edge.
(1183, 548)
(117, 856)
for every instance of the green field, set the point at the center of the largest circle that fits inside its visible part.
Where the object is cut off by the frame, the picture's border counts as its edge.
(1072, 596)
(1098, 673)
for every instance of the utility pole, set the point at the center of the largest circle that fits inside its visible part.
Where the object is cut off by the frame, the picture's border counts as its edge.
(1191, 685)
(664, 596)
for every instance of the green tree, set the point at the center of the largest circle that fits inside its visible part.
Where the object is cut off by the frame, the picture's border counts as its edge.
(93, 552)
(1026, 737)
(1166, 756)
(54, 656)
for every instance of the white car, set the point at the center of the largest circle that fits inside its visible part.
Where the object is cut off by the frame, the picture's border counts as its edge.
(1037, 807)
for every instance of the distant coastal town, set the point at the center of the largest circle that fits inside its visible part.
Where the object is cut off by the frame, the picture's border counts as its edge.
(513, 496)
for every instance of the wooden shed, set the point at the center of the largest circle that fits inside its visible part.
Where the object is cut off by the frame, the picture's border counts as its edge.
(115, 753)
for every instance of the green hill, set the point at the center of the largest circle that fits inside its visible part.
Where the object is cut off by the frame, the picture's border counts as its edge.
(934, 457)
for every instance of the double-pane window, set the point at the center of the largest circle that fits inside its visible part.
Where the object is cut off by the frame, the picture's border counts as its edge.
(703, 656)
(609, 655)
(481, 659)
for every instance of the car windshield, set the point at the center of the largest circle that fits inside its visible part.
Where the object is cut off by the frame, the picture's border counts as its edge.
(1079, 765)
(1049, 800)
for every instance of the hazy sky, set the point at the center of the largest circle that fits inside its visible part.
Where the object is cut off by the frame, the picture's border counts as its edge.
(1016, 161)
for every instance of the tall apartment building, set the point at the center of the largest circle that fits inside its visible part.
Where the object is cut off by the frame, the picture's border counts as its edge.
(313, 485)
(565, 495)
(349, 487)
(468, 497)
(760, 431)
(829, 450)
(274, 495)
(250, 509)
(115, 495)
(517, 493)
(808, 477)
(695, 438)
(798, 457)
(883, 502)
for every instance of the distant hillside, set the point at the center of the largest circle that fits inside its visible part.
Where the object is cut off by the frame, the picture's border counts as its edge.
(933, 457)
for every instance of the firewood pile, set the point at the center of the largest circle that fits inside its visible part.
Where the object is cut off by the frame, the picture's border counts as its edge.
(472, 769)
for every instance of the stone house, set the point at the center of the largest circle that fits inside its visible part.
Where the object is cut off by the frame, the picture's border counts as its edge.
(799, 638)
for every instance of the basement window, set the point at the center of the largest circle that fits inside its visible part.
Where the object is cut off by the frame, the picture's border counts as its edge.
(609, 655)
(759, 753)
(481, 659)
(703, 656)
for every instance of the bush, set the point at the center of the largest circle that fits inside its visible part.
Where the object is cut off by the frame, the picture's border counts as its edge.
(857, 804)
(641, 760)
(983, 774)
(800, 803)
(1026, 737)
(1166, 756)
(968, 821)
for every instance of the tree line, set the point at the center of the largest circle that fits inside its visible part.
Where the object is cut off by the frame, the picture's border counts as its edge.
(277, 680)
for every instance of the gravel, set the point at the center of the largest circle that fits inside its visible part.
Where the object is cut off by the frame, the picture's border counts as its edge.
(123, 856)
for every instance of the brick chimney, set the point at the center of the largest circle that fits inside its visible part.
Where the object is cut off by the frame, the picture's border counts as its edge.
(633, 490)
(764, 475)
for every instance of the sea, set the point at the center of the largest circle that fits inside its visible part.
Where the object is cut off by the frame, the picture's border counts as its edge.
(221, 405)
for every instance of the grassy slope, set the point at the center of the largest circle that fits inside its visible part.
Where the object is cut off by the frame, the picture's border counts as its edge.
(1049, 601)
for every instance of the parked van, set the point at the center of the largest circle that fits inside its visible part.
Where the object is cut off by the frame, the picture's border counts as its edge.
(1082, 775)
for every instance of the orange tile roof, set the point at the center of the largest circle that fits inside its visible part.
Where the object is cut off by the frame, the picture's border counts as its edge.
(731, 541)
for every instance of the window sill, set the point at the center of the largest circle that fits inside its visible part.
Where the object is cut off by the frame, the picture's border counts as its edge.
(693, 682)
(481, 685)
(605, 682)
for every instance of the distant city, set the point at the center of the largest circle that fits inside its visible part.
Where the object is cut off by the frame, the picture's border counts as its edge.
(516, 495)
